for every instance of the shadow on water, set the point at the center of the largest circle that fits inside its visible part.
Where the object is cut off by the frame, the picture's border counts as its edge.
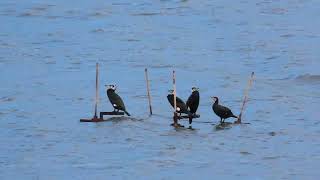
(228, 125)
(184, 128)
(223, 126)
(308, 78)
(122, 118)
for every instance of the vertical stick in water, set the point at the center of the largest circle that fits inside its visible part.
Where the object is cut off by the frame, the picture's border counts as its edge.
(148, 90)
(245, 99)
(175, 118)
(174, 91)
(96, 100)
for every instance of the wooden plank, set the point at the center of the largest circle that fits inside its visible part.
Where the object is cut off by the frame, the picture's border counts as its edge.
(187, 117)
(113, 113)
(92, 120)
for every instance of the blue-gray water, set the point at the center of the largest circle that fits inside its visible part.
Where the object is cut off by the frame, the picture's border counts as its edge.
(48, 51)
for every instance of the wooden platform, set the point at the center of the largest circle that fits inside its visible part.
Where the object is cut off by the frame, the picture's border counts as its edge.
(113, 113)
(187, 117)
(94, 119)
(100, 119)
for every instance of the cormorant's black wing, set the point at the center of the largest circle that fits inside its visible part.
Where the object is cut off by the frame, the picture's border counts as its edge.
(116, 99)
(119, 102)
(223, 111)
(183, 107)
(180, 103)
(189, 101)
(171, 100)
(193, 102)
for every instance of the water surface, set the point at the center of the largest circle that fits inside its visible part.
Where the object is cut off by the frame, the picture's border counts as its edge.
(48, 51)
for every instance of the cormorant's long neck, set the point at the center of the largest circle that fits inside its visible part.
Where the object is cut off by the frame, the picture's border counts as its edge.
(216, 102)
(110, 91)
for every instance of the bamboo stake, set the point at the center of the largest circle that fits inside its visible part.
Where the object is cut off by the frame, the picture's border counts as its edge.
(148, 90)
(174, 91)
(95, 117)
(174, 99)
(97, 93)
(246, 97)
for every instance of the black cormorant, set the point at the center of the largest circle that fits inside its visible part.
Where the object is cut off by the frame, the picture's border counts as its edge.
(193, 102)
(115, 99)
(221, 111)
(181, 106)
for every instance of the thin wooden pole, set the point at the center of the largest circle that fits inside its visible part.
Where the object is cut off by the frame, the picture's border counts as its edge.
(148, 90)
(174, 91)
(97, 93)
(175, 118)
(245, 99)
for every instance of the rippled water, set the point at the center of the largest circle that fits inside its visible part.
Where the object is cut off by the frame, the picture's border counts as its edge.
(48, 51)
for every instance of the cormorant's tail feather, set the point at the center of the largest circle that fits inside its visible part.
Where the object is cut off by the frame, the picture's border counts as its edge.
(127, 113)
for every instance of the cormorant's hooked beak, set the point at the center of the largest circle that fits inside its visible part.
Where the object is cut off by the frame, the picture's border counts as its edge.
(114, 87)
(170, 91)
(214, 98)
(195, 89)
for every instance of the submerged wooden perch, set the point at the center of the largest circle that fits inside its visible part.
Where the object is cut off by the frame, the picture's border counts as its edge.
(245, 98)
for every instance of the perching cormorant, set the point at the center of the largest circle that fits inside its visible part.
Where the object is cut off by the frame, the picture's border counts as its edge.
(193, 102)
(115, 99)
(181, 106)
(221, 111)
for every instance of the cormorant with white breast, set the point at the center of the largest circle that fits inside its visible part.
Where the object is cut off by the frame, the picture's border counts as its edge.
(193, 102)
(115, 99)
(181, 106)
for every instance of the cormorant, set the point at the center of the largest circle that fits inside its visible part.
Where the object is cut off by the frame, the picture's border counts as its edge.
(181, 106)
(221, 111)
(193, 102)
(115, 99)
